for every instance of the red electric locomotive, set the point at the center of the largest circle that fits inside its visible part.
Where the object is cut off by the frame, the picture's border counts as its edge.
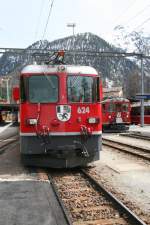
(116, 114)
(60, 115)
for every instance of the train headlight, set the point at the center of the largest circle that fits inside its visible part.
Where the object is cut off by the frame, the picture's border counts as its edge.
(109, 116)
(93, 120)
(32, 121)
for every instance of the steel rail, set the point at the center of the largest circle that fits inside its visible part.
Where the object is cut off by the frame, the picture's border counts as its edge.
(122, 148)
(64, 210)
(127, 145)
(137, 136)
(119, 205)
(130, 216)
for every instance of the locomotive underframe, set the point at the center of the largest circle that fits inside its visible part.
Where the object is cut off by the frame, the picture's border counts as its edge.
(60, 151)
(116, 127)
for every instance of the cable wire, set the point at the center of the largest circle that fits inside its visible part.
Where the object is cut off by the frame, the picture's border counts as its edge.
(138, 13)
(50, 11)
(38, 21)
(124, 12)
(141, 24)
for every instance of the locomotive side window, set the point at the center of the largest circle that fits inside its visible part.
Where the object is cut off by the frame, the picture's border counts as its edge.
(43, 88)
(147, 110)
(82, 89)
(98, 89)
(135, 111)
(23, 88)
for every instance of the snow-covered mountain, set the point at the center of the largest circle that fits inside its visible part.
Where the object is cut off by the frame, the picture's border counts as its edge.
(139, 42)
(135, 41)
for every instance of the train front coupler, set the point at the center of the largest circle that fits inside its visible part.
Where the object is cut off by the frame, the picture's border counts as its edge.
(85, 131)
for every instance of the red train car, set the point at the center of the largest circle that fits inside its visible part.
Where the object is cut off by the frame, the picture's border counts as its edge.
(116, 114)
(60, 115)
(136, 113)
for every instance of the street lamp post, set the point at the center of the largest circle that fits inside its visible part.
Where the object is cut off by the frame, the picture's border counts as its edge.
(72, 25)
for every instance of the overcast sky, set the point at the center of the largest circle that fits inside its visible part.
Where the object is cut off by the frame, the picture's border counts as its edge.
(22, 22)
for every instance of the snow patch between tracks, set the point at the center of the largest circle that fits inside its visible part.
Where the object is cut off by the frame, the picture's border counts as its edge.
(5, 127)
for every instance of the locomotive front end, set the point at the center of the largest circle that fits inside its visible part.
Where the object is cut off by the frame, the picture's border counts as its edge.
(60, 115)
(116, 114)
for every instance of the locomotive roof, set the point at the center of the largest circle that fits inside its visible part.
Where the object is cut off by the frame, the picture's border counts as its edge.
(72, 69)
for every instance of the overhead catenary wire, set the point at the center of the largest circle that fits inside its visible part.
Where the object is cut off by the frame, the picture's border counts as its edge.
(145, 21)
(49, 14)
(125, 11)
(137, 14)
(39, 20)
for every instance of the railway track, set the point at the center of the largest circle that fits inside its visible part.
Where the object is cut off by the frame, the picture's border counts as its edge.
(85, 202)
(134, 150)
(4, 143)
(136, 135)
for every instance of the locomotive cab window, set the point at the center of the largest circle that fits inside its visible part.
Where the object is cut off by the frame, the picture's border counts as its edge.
(118, 107)
(125, 107)
(43, 89)
(111, 107)
(82, 89)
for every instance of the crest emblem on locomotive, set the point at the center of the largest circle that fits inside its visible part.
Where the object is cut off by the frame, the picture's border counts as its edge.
(63, 112)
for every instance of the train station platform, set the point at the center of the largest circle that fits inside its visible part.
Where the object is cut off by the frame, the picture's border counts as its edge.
(145, 131)
(29, 202)
(25, 197)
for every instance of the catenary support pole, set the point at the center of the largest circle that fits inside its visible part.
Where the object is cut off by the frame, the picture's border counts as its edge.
(142, 92)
